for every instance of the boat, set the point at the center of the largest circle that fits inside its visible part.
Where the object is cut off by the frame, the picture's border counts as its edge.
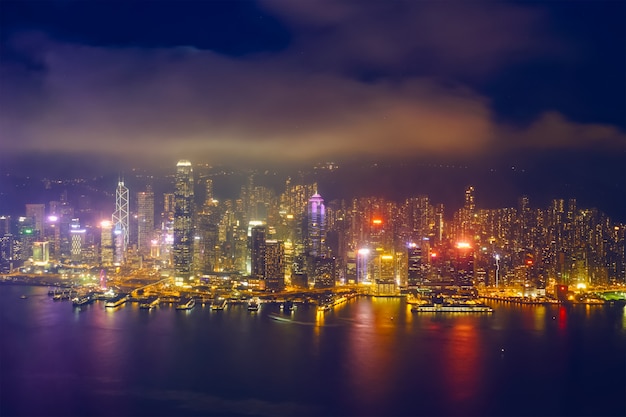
(288, 306)
(324, 307)
(81, 301)
(253, 304)
(23, 297)
(116, 301)
(149, 303)
(451, 308)
(219, 304)
(186, 304)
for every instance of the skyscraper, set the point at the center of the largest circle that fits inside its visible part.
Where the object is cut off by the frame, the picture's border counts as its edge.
(36, 212)
(106, 243)
(416, 270)
(274, 265)
(257, 251)
(145, 220)
(316, 222)
(120, 221)
(183, 221)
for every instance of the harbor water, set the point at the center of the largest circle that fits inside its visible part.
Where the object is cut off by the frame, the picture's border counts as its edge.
(368, 356)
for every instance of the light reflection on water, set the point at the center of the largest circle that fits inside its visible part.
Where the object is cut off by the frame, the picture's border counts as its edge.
(369, 356)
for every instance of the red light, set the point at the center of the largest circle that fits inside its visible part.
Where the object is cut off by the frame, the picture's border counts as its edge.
(529, 262)
(433, 255)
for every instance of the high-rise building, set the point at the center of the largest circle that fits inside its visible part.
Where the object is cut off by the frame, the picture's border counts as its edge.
(316, 226)
(41, 254)
(324, 272)
(36, 212)
(463, 265)
(258, 251)
(77, 236)
(183, 221)
(274, 265)
(121, 222)
(106, 243)
(416, 268)
(145, 220)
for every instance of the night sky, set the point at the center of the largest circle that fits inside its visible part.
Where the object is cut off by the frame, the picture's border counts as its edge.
(294, 82)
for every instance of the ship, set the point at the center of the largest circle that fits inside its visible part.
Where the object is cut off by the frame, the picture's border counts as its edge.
(116, 301)
(253, 304)
(288, 306)
(324, 306)
(81, 301)
(451, 308)
(149, 303)
(219, 304)
(186, 304)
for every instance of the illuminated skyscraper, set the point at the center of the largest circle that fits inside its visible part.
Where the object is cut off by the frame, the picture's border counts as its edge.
(106, 243)
(324, 272)
(36, 212)
(120, 221)
(416, 267)
(274, 265)
(257, 251)
(145, 220)
(316, 223)
(183, 221)
(463, 265)
(77, 241)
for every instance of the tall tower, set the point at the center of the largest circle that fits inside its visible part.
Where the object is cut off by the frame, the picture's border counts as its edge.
(145, 220)
(120, 221)
(316, 225)
(257, 251)
(36, 212)
(106, 243)
(183, 221)
(274, 265)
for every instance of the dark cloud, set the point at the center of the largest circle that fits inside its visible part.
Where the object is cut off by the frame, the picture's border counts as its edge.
(303, 103)
(417, 37)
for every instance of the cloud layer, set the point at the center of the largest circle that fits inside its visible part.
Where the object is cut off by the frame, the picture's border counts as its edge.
(311, 101)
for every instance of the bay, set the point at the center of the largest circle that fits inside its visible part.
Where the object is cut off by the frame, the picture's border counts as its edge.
(369, 356)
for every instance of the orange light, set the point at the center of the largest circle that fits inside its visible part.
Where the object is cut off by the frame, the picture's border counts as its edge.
(463, 245)
(377, 221)
(433, 255)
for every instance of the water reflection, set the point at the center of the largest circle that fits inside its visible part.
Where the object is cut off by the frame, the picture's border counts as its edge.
(540, 318)
(562, 318)
(461, 363)
(372, 355)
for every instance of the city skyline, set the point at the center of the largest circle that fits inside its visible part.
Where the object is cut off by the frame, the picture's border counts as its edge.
(351, 239)
(312, 207)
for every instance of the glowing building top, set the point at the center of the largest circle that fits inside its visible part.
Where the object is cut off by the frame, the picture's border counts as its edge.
(316, 225)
